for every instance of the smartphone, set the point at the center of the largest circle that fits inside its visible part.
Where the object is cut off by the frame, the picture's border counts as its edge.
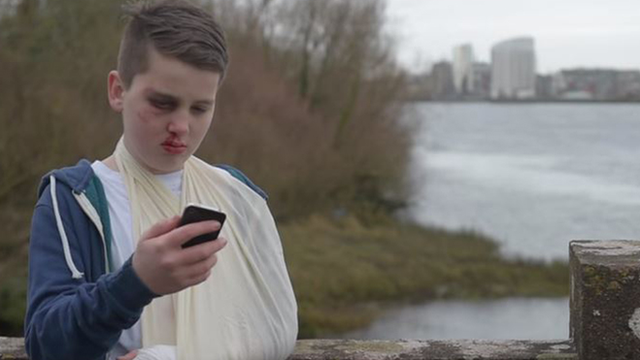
(195, 213)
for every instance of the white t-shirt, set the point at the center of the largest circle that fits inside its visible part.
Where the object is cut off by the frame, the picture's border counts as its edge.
(123, 245)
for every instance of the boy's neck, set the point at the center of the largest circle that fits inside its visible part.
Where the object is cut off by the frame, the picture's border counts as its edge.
(110, 162)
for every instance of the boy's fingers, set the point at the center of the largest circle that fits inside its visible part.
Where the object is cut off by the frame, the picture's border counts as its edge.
(195, 254)
(130, 356)
(161, 228)
(181, 235)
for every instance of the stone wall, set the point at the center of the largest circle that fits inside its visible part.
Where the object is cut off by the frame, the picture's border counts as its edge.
(605, 321)
(402, 349)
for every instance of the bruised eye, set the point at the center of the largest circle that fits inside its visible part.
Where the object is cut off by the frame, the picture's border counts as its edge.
(162, 104)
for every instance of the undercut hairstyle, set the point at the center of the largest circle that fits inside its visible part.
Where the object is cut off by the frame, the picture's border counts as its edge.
(178, 29)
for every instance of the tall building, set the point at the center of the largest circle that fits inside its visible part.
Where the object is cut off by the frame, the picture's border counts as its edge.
(544, 87)
(481, 83)
(441, 79)
(513, 69)
(463, 68)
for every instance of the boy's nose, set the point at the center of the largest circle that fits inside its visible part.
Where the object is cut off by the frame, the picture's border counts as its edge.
(179, 124)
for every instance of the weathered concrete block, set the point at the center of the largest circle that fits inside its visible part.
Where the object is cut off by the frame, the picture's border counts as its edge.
(605, 299)
(396, 350)
(12, 348)
(433, 350)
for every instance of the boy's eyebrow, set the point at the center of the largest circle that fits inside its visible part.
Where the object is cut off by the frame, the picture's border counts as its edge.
(204, 102)
(158, 94)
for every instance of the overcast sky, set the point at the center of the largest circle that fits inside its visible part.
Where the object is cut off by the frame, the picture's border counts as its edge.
(567, 33)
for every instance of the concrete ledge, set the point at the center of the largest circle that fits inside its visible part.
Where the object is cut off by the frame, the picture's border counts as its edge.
(433, 350)
(11, 348)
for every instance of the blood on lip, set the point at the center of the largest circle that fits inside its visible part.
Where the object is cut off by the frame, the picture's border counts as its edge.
(173, 143)
(172, 149)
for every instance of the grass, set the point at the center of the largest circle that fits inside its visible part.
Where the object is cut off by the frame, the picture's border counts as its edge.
(345, 273)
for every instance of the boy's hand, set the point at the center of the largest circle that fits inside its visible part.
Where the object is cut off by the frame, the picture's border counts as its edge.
(130, 356)
(164, 266)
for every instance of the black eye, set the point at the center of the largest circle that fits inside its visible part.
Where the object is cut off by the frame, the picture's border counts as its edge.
(162, 104)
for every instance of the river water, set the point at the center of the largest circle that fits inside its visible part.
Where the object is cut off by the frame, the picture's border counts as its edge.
(533, 177)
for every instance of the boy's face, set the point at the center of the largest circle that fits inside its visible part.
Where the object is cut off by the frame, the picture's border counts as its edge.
(166, 111)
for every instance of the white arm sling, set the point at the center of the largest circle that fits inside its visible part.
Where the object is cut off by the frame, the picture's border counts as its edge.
(246, 309)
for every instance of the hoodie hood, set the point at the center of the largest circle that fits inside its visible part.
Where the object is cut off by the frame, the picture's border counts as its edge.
(76, 177)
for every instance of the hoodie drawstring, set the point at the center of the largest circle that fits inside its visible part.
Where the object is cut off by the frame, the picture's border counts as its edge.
(63, 236)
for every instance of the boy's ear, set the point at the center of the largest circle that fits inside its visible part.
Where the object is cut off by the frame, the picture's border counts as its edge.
(115, 91)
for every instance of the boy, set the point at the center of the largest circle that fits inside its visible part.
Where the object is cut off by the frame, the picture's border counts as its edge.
(105, 243)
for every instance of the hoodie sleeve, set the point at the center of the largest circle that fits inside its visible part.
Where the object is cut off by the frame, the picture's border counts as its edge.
(70, 318)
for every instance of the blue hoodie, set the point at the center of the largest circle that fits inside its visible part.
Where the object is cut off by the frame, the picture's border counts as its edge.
(77, 306)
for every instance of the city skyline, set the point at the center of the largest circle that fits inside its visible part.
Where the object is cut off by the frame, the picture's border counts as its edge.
(568, 34)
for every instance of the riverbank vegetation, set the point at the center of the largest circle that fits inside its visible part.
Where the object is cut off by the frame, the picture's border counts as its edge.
(309, 112)
(345, 272)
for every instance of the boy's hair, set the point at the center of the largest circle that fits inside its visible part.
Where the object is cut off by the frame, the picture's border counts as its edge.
(175, 28)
